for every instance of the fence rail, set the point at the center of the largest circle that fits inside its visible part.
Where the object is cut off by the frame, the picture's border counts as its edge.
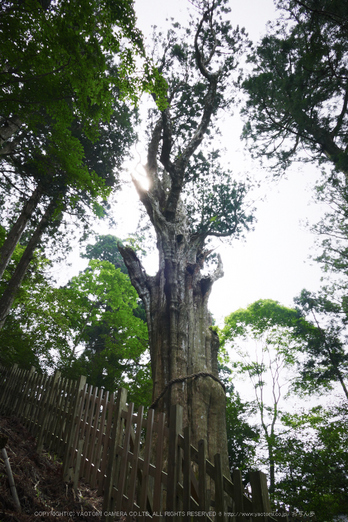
(140, 465)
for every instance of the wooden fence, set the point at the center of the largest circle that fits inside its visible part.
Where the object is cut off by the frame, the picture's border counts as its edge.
(122, 453)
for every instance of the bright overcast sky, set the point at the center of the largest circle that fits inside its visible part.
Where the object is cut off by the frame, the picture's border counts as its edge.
(273, 261)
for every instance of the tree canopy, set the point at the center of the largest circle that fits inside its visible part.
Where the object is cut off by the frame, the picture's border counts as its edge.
(276, 348)
(312, 457)
(262, 344)
(91, 326)
(55, 61)
(68, 76)
(297, 91)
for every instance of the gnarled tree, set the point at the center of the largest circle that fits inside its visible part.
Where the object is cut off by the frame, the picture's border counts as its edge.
(189, 199)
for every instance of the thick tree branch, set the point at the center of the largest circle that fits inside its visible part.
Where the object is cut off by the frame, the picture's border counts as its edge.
(177, 169)
(208, 281)
(140, 280)
(156, 188)
(340, 118)
(144, 198)
(201, 63)
(218, 272)
(151, 166)
(167, 140)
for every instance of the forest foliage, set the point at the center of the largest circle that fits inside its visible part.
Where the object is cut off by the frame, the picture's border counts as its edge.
(70, 82)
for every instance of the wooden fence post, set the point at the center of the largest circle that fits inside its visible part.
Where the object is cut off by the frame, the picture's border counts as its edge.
(23, 400)
(124, 464)
(157, 496)
(238, 495)
(69, 456)
(86, 427)
(187, 474)
(29, 399)
(121, 404)
(77, 464)
(202, 474)
(46, 410)
(175, 428)
(93, 441)
(98, 449)
(260, 497)
(11, 377)
(134, 462)
(146, 465)
(219, 489)
(110, 405)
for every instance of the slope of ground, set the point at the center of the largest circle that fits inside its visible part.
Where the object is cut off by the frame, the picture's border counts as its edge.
(42, 493)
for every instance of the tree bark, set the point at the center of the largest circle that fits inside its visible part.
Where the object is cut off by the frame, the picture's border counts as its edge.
(15, 282)
(182, 344)
(7, 249)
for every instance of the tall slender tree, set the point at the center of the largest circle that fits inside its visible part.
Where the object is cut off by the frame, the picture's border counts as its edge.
(189, 199)
(15, 282)
(270, 329)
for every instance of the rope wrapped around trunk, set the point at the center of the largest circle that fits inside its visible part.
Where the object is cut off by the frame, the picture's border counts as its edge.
(182, 379)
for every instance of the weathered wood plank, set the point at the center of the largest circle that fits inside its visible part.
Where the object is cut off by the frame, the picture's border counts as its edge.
(202, 477)
(76, 406)
(124, 459)
(25, 395)
(175, 428)
(104, 396)
(146, 461)
(187, 474)
(219, 490)
(260, 497)
(110, 406)
(111, 475)
(134, 461)
(91, 434)
(159, 480)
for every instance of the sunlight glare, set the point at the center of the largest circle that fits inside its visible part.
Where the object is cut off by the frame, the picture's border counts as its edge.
(138, 173)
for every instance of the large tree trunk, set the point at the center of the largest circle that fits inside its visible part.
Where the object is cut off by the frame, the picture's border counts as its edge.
(15, 282)
(13, 237)
(182, 344)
